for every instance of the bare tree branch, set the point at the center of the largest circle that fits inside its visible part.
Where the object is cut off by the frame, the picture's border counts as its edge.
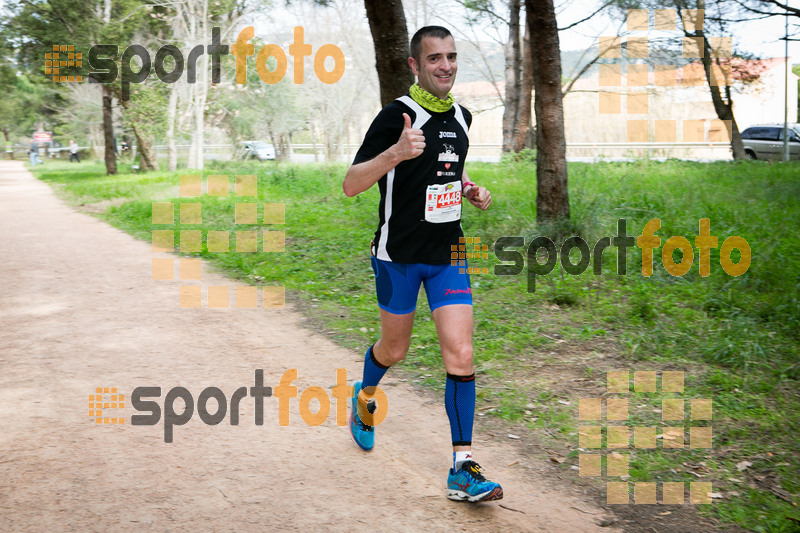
(598, 10)
(785, 6)
(483, 8)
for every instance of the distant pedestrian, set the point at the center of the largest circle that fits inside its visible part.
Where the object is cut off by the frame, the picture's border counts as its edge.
(34, 153)
(73, 151)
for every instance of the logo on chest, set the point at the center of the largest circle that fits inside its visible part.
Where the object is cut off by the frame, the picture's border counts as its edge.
(448, 154)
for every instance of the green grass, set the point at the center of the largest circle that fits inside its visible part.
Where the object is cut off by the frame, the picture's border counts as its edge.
(538, 352)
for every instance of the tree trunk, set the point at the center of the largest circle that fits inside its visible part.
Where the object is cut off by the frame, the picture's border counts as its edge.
(190, 103)
(172, 108)
(110, 151)
(513, 58)
(108, 133)
(523, 123)
(387, 23)
(276, 139)
(9, 155)
(552, 200)
(313, 131)
(144, 145)
(198, 133)
(201, 95)
(197, 34)
(148, 160)
(329, 148)
(94, 140)
(724, 109)
(284, 147)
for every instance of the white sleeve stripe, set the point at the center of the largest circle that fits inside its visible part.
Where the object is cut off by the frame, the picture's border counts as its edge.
(381, 253)
(422, 116)
(461, 120)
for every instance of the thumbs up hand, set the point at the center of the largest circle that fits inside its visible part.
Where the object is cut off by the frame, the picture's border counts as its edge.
(411, 142)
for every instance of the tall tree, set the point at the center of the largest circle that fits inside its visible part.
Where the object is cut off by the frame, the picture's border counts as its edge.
(699, 19)
(723, 105)
(8, 103)
(518, 91)
(110, 152)
(513, 55)
(194, 24)
(25, 99)
(552, 199)
(37, 25)
(522, 124)
(30, 30)
(144, 115)
(387, 23)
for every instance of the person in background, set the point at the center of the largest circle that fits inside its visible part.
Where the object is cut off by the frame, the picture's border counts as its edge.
(73, 151)
(34, 153)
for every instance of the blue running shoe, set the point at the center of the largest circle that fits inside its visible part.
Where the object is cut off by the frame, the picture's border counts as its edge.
(362, 434)
(468, 484)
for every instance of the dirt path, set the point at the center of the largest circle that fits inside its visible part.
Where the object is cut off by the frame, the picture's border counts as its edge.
(79, 310)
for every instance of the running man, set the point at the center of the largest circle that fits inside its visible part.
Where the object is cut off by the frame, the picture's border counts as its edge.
(415, 151)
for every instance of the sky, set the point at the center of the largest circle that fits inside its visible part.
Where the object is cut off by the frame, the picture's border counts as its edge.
(760, 37)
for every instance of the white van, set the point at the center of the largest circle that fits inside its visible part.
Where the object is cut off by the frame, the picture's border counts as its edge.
(765, 141)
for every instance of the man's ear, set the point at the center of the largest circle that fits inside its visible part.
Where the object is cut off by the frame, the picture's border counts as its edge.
(414, 67)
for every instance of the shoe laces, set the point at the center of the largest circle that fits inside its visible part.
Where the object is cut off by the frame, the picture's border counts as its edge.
(371, 406)
(362, 426)
(474, 470)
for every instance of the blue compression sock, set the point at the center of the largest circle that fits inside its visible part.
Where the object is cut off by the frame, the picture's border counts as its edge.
(373, 370)
(459, 401)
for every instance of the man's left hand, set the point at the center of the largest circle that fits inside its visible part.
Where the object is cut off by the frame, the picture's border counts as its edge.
(480, 197)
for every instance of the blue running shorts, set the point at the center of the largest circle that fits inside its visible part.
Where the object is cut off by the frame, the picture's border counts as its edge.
(398, 284)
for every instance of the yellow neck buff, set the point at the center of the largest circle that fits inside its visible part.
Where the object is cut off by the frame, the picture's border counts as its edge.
(429, 101)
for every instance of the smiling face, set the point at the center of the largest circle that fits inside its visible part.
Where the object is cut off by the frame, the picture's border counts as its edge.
(436, 68)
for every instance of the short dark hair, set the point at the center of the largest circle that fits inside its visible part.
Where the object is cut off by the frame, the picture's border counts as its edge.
(439, 32)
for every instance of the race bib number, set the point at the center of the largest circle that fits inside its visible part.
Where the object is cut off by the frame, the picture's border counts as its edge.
(443, 202)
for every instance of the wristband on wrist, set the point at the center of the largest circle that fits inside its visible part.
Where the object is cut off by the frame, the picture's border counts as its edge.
(465, 184)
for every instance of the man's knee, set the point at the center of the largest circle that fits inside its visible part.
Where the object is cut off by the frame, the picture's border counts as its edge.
(460, 360)
(391, 352)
